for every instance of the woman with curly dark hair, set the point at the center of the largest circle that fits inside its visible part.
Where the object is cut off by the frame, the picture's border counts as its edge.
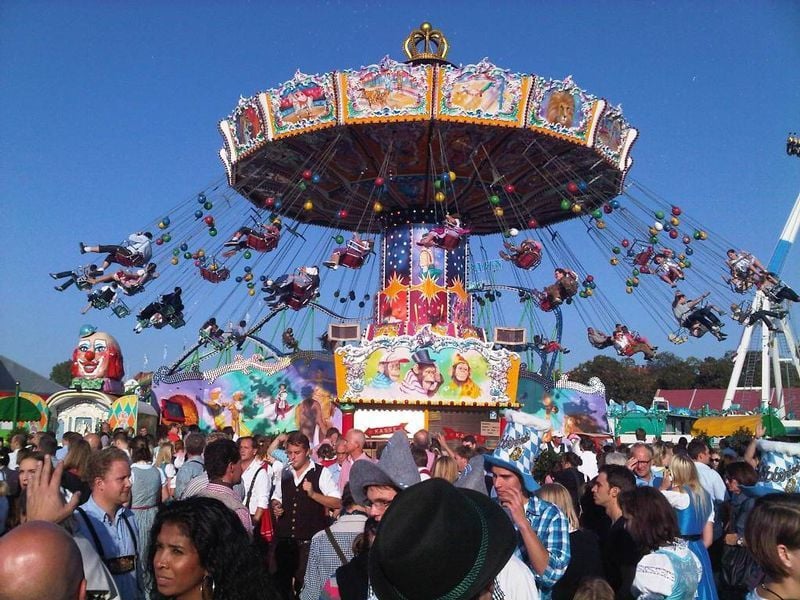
(199, 550)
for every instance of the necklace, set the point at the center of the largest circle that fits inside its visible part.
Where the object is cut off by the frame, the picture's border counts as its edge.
(778, 596)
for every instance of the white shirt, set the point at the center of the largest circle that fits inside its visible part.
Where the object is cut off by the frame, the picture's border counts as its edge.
(516, 581)
(262, 486)
(12, 459)
(327, 485)
(711, 481)
(655, 575)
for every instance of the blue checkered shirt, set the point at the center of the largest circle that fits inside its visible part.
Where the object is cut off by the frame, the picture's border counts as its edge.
(552, 527)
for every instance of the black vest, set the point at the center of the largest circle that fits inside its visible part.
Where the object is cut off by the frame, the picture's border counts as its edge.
(302, 517)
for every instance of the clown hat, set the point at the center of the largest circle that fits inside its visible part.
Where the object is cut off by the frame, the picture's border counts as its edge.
(518, 447)
(778, 471)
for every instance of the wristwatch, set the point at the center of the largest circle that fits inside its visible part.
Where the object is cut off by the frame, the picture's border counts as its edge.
(739, 541)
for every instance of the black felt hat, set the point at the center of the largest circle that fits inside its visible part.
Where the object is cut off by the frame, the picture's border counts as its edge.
(438, 541)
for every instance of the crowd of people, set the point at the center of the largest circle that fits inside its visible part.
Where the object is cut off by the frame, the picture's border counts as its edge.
(196, 516)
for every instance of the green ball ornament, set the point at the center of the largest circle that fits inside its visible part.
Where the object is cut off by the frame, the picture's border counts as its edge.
(187, 255)
(653, 239)
(582, 294)
(208, 205)
(659, 214)
(696, 235)
(247, 255)
(302, 185)
(629, 282)
(687, 264)
(635, 272)
(167, 238)
(616, 249)
(494, 199)
(437, 184)
(339, 239)
(176, 252)
(566, 204)
(212, 231)
(597, 213)
(251, 285)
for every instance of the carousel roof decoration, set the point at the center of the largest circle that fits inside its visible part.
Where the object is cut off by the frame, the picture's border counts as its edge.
(379, 137)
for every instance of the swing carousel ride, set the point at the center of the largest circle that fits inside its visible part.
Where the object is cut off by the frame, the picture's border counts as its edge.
(415, 209)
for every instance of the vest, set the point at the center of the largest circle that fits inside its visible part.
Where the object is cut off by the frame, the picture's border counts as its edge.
(302, 517)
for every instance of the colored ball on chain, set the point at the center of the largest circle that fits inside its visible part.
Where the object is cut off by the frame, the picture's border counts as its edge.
(572, 187)
(652, 230)
(597, 213)
(533, 223)
(213, 267)
(198, 263)
(635, 281)
(377, 207)
(309, 205)
(513, 232)
(166, 221)
(498, 211)
(248, 277)
(342, 214)
(653, 239)
(201, 253)
(315, 178)
(451, 175)
(510, 188)
(625, 243)
(658, 226)
(269, 202)
(616, 250)
(201, 198)
(681, 256)
(174, 260)
(251, 285)
(601, 224)
(687, 264)
(494, 199)
(212, 231)
(278, 203)
(629, 290)
(582, 293)
(162, 225)
(159, 241)
(248, 269)
(673, 234)
(659, 214)
(208, 205)
(339, 239)
(614, 204)
(696, 235)
(301, 185)
(583, 186)
(263, 278)
(247, 255)
(184, 246)
(676, 210)
(198, 214)
(576, 208)
(668, 227)
(439, 196)
(590, 278)
(176, 252)
(251, 292)
(703, 235)
(614, 261)
(167, 238)
(565, 204)
(635, 272)
(675, 221)
(589, 292)
(593, 285)
(187, 255)
(239, 279)
(686, 239)
(307, 174)
(209, 220)
(689, 250)
(437, 184)
(607, 209)
(629, 282)
(379, 181)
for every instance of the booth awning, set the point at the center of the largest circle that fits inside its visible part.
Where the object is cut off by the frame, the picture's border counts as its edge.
(722, 426)
(27, 409)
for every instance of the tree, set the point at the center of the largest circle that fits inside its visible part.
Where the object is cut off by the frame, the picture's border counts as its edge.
(61, 373)
(624, 380)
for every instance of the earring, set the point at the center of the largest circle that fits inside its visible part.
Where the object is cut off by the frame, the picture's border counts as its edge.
(206, 579)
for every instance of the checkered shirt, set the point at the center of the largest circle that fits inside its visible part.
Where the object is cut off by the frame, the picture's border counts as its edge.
(552, 527)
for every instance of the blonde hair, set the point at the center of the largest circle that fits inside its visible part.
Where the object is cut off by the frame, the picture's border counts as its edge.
(164, 455)
(557, 494)
(684, 474)
(445, 468)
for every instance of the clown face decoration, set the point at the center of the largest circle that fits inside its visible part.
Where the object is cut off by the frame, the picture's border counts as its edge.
(98, 357)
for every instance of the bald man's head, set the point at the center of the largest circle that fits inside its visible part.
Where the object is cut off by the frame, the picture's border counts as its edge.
(94, 441)
(34, 556)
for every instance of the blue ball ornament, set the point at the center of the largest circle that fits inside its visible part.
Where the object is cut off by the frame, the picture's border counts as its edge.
(165, 221)
(201, 198)
(614, 204)
(248, 269)
(278, 204)
(689, 251)
(583, 186)
(262, 278)
(239, 279)
(184, 247)
(315, 178)
(198, 214)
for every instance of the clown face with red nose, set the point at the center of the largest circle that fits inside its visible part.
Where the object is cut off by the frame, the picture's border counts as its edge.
(97, 361)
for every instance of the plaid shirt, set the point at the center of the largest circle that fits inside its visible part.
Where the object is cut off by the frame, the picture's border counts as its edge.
(552, 527)
(323, 559)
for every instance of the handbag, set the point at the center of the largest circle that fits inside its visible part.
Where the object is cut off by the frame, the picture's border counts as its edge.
(739, 569)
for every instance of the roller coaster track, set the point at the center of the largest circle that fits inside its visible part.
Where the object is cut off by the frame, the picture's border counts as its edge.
(548, 362)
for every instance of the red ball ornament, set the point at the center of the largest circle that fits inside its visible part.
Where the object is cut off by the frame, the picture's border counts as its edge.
(269, 201)
(510, 188)
(342, 214)
(307, 174)
(673, 234)
(607, 209)
(676, 210)
(590, 278)
(625, 243)
(572, 187)
(159, 241)
(209, 220)
(533, 223)
(379, 181)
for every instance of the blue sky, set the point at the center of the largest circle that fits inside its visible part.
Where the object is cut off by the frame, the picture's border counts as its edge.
(109, 116)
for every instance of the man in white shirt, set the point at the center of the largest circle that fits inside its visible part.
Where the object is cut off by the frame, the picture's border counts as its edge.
(710, 480)
(256, 480)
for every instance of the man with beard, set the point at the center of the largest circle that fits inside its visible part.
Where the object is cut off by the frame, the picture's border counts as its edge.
(111, 527)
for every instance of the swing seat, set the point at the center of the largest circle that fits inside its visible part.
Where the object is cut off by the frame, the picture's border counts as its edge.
(83, 284)
(261, 243)
(449, 240)
(176, 321)
(120, 309)
(528, 260)
(297, 302)
(215, 276)
(352, 259)
(129, 260)
(99, 302)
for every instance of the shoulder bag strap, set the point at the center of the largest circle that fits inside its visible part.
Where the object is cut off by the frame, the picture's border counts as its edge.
(98, 546)
(336, 546)
(133, 535)
(252, 484)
